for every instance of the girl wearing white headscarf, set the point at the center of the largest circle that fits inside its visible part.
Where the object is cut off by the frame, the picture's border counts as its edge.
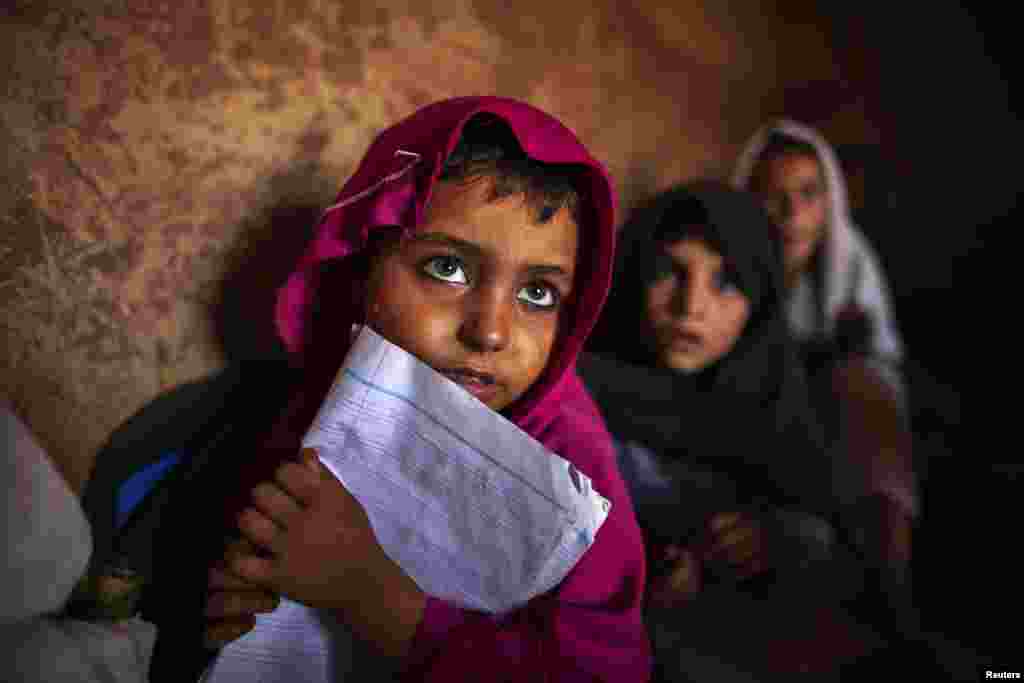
(838, 302)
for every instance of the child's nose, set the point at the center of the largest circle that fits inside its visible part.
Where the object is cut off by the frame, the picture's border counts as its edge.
(487, 323)
(691, 300)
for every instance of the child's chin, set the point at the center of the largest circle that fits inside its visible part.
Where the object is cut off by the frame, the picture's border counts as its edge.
(683, 364)
(495, 403)
(798, 255)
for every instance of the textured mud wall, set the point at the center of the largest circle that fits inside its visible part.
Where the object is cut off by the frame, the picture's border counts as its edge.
(151, 148)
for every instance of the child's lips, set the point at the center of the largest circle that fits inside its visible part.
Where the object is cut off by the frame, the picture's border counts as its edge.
(792, 238)
(684, 340)
(480, 384)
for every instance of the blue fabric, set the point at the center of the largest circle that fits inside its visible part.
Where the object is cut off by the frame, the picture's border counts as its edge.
(136, 487)
(645, 475)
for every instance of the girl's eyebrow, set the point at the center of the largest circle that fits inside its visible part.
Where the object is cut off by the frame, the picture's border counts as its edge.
(478, 252)
(545, 269)
(447, 240)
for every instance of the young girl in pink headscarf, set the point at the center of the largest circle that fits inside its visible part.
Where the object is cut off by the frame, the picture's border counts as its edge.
(477, 234)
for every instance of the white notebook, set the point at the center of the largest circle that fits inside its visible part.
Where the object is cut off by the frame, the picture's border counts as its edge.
(474, 509)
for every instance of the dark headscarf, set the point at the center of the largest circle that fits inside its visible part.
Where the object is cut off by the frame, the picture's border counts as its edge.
(748, 415)
(735, 226)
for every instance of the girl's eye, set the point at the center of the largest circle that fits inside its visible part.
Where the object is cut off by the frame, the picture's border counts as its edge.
(446, 269)
(539, 296)
(811, 192)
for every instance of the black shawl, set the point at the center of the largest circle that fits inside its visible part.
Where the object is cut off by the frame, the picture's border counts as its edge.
(748, 417)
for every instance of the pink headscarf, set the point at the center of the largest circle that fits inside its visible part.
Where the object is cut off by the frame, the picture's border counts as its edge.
(589, 628)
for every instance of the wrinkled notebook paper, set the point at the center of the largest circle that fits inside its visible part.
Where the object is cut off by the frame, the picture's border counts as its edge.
(475, 510)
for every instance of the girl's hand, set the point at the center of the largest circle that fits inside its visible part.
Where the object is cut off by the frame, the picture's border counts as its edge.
(320, 550)
(736, 541)
(681, 583)
(232, 603)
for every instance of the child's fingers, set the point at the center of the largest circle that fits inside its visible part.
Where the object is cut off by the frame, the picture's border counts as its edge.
(227, 604)
(738, 553)
(239, 546)
(683, 575)
(259, 529)
(681, 584)
(723, 520)
(310, 459)
(275, 504)
(741, 547)
(741, 555)
(734, 537)
(220, 633)
(234, 548)
(259, 570)
(298, 481)
(221, 579)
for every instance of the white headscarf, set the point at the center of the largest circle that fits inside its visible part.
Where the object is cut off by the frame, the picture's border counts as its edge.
(852, 274)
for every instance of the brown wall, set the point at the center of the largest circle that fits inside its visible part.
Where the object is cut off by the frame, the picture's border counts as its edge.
(151, 146)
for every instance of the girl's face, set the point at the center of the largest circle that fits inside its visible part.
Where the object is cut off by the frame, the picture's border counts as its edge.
(793, 191)
(478, 291)
(696, 311)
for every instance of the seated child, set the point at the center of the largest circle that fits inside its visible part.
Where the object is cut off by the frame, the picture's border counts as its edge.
(478, 235)
(695, 341)
(702, 390)
(838, 308)
(834, 284)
